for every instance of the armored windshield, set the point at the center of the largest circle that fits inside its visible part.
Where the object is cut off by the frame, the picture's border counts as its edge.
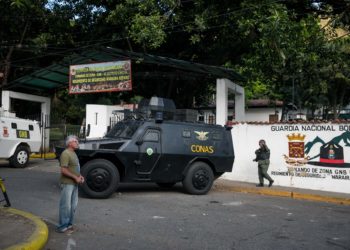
(123, 129)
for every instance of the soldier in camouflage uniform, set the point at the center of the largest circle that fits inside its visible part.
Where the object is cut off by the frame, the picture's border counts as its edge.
(263, 159)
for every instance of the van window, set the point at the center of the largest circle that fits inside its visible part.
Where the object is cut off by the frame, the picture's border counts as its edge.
(31, 127)
(13, 125)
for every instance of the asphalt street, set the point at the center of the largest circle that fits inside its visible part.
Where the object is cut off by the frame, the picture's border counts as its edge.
(144, 216)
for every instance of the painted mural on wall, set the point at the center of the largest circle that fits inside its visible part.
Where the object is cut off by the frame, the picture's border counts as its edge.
(315, 156)
(312, 156)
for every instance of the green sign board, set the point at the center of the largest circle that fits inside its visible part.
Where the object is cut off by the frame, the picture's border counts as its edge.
(100, 77)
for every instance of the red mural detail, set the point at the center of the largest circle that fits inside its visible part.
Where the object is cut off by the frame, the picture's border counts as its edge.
(296, 149)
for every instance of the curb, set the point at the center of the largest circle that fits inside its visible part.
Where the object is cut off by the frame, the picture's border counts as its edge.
(40, 236)
(290, 194)
(46, 156)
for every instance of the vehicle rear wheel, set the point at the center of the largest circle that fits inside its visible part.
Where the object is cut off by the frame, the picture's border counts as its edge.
(166, 184)
(199, 178)
(20, 158)
(101, 178)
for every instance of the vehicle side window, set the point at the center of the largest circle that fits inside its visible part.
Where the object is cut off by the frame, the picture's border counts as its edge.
(31, 127)
(151, 135)
(13, 125)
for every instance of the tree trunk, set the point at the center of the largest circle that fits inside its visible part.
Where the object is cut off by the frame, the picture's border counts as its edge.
(129, 44)
(7, 67)
(340, 103)
(7, 62)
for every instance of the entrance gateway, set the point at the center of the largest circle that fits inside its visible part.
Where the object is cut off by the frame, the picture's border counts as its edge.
(56, 76)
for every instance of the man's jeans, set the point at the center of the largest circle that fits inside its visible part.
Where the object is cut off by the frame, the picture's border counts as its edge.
(68, 204)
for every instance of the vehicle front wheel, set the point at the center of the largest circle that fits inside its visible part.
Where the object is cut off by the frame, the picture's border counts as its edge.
(101, 178)
(20, 158)
(199, 179)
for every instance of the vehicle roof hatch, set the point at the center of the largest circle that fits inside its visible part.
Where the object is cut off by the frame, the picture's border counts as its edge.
(157, 105)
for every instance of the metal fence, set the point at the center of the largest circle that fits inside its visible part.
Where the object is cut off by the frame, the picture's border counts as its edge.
(56, 128)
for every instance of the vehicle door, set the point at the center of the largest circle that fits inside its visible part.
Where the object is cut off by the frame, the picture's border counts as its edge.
(149, 147)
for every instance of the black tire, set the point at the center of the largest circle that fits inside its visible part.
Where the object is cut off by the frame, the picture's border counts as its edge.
(101, 178)
(199, 179)
(20, 158)
(166, 184)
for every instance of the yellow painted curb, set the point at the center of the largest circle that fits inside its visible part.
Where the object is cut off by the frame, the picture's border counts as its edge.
(342, 201)
(261, 191)
(38, 239)
(264, 191)
(290, 194)
(46, 156)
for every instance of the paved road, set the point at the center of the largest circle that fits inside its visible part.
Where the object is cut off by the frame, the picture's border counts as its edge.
(147, 217)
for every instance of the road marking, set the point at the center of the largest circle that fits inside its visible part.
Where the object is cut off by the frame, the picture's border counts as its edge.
(233, 203)
(158, 217)
(71, 242)
(29, 168)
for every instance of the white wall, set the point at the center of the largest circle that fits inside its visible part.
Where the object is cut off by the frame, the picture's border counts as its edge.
(324, 178)
(261, 114)
(251, 115)
(223, 87)
(98, 116)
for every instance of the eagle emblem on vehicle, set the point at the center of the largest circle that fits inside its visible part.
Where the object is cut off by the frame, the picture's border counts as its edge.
(202, 136)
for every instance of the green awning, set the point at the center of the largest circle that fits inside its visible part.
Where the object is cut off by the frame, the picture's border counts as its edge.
(57, 75)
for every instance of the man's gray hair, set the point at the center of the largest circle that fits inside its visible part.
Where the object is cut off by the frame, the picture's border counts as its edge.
(70, 138)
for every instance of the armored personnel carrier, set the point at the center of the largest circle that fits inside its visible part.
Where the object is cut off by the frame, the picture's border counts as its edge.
(150, 145)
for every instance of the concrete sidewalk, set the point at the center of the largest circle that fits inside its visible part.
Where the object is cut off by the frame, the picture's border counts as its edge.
(290, 192)
(22, 230)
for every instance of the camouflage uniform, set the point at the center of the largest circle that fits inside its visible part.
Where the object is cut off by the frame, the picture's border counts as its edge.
(263, 159)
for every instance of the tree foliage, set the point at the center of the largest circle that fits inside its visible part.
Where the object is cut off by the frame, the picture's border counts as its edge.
(288, 50)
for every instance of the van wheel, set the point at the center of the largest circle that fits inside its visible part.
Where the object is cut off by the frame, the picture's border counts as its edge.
(20, 158)
(199, 179)
(101, 178)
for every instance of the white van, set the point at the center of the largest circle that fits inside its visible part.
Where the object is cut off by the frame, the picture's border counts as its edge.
(18, 138)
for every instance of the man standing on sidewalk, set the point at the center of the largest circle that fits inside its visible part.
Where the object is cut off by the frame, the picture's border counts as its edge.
(263, 159)
(70, 178)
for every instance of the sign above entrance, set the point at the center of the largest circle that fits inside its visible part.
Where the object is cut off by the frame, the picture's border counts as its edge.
(100, 77)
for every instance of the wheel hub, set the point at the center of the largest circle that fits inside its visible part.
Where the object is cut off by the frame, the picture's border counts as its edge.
(22, 157)
(200, 179)
(99, 179)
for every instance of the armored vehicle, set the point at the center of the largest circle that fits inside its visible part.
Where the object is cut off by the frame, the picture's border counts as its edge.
(152, 146)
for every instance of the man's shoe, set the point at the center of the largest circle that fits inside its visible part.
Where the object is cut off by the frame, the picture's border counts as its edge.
(69, 231)
(61, 230)
(271, 182)
(260, 185)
